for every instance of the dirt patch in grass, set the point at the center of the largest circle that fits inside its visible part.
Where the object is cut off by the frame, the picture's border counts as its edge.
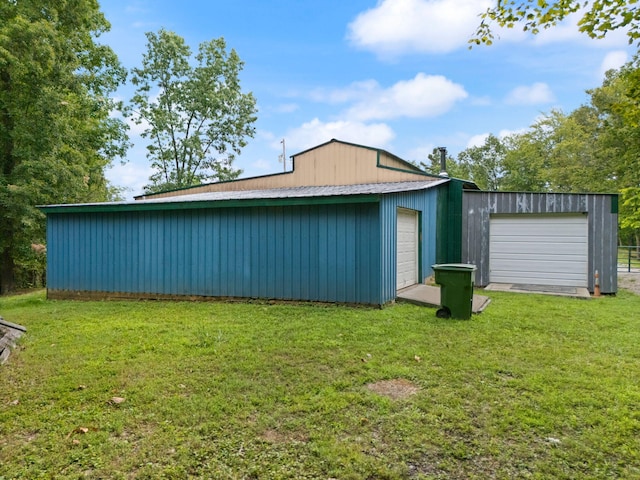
(396, 389)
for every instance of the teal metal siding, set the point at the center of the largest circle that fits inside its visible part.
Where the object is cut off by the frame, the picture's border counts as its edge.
(426, 203)
(315, 252)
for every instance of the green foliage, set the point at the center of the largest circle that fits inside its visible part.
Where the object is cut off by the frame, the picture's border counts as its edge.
(197, 118)
(560, 153)
(534, 387)
(599, 18)
(56, 133)
(617, 102)
(524, 162)
(630, 215)
(485, 163)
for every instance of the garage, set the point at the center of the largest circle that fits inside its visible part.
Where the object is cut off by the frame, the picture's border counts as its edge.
(539, 249)
(407, 248)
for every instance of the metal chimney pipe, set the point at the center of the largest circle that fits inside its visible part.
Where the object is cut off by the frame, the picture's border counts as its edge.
(443, 162)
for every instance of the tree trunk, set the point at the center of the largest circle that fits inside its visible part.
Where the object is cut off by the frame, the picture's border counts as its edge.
(7, 273)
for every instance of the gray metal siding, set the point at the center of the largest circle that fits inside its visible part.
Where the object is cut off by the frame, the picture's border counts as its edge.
(602, 226)
(424, 202)
(317, 252)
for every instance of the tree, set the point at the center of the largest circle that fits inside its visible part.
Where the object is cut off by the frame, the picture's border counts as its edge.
(56, 133)
(526, 160)
(484, 163)
(617, 104)
(630, 215)
(197, 118)
(598, 17)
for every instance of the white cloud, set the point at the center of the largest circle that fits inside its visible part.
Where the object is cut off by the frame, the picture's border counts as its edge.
(538, 93)
(613, 60)
(477, 140)
(395, 27)
(317, 132)
(133, 176)
(355, 91)
(504, 133)
(422, 96)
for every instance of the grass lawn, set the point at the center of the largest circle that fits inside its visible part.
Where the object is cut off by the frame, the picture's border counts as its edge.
(534, 387)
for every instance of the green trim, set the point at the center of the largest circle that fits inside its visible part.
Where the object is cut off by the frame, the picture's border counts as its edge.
(417, 171)
(335, 140)
(614, 204)
(414, 172)
(257, 202)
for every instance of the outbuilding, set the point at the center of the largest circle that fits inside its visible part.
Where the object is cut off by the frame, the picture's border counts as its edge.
(554, 239)
(349, 224)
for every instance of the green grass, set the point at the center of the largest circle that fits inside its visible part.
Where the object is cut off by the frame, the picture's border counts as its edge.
(534, 387)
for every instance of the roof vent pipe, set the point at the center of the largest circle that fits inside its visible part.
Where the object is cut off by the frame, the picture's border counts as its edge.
(443, 162)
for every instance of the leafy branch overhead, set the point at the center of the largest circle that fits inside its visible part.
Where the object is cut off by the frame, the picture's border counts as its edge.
(598, 17)
(196, 118)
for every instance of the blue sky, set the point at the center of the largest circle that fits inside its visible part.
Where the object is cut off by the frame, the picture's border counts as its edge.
(393, 74)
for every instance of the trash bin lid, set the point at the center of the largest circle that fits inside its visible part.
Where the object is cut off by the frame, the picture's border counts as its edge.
(454, 266)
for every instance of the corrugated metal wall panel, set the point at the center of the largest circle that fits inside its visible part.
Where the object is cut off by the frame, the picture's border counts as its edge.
(321, 253)
(449, 222)
(426, 203)
(602, 226)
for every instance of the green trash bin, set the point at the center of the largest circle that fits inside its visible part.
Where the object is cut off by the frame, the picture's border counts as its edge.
(456, 289)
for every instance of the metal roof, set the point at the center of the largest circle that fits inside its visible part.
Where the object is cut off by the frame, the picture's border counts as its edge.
(269, 194)
(301, 192)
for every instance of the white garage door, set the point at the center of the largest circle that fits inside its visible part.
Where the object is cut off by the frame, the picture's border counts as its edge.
(407, 248)
(539, 249)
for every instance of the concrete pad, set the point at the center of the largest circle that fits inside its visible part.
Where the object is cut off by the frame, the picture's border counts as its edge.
(578, 292)
(429, 296)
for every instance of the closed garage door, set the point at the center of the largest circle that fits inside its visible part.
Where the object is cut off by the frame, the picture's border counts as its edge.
(539, 250)
(407, 248)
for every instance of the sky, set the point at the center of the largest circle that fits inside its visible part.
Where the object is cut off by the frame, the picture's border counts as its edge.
(390, 74)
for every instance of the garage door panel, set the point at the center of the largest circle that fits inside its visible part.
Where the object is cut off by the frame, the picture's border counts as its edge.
(539, 249)
(550, 230)
(516, 259)
(533, 239)
(551, 267)
(578, 249)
